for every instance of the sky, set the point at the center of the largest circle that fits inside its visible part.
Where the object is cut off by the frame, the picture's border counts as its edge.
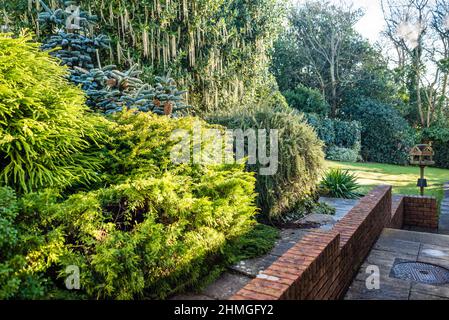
(372, 23)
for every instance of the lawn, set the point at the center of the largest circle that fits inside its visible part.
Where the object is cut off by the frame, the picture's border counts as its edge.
(402, 178)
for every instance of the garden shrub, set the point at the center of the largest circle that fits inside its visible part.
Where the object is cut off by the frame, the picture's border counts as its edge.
(255, 243)
(342, 154)
(324, 128)
(44, 124)
(29, 246)
(341, 138)
(8, 212)
(386, 135)
(438, 135)
(171, 222)
(307, 100)
(149, 228)
(348, 134)
(301, 156)
(441, 157)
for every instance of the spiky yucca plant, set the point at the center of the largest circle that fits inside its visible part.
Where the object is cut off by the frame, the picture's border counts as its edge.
(340, 184)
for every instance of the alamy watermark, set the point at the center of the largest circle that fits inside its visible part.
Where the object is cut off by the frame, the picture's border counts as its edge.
(214, 146)
(72, 281)
(73, 21)
(373, 280)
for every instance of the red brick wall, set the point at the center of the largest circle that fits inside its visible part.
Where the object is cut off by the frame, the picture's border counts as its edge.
(323, 264)
(359, 230)
(304, 270)
(397, 213)
(421, 212)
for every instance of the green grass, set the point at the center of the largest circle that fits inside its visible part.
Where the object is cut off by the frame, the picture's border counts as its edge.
(402, 178)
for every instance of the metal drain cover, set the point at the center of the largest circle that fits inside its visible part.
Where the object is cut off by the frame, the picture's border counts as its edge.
(420, 272)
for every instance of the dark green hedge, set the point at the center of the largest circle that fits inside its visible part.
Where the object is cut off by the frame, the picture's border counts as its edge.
(340, 137)
(307, 100)
(386, 135)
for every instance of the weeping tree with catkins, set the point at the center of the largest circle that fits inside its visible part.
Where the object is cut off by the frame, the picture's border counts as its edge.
(217, 49)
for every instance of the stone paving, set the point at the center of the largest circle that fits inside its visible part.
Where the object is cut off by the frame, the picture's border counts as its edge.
(342, 206)
(242, 273)
(406, 246)
(444, 215)
(402, 245)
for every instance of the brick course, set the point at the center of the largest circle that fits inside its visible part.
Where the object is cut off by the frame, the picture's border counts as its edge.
(322, 265)
(397, 213)
(421, 212)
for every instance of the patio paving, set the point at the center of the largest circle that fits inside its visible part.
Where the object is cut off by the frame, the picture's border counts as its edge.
(399, 246)
(327, 222)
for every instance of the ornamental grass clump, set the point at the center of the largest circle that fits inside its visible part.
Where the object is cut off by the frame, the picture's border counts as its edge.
(44, 124)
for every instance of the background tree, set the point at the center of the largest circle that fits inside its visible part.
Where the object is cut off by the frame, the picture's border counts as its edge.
(325, 33)
(321, 50)
(440, 24)
(418, 31)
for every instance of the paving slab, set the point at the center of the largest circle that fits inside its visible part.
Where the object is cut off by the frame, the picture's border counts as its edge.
(342, 206)
(439, 291)
(319, 220)
(397, 246)
(254, 267)
(291, 235)
(434, 252)
(387, 258)
(387, 291)
(226, 286)
(384, 278)
(423, 297)
(394, 245)
(421, 237)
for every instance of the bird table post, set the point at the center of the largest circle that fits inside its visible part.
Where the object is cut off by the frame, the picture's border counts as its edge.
(422, 155)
